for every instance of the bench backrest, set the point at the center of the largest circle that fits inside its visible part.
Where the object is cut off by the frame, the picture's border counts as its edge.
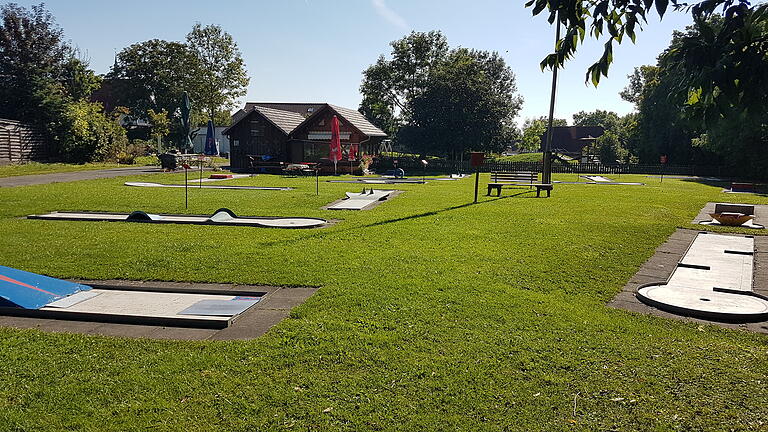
(514, 176)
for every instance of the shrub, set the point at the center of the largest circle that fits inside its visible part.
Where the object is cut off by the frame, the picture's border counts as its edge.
(131, 152)
(93, 136)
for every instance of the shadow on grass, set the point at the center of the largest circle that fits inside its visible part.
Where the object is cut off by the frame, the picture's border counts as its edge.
(725, 184)
(395, 220)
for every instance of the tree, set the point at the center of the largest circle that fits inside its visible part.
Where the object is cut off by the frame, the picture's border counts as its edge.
(390, 86)
(160, 125)
(79, 81)
(32, 55)
(441, 100)
(694, 125)
(534, 129)
(617, 19)
(622, 130)
(42, 82)
(609, 148)
(222, 78)
(660, 127)
(153, 75)
(469, 102)
(609, 120)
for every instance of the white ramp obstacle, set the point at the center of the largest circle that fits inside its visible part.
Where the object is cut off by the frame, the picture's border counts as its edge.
(361, 201)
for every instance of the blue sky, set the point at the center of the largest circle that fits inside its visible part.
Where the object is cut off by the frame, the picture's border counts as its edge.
(315, 51)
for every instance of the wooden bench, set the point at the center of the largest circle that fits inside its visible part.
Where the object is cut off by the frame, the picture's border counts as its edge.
(500, 180)
(256, 163)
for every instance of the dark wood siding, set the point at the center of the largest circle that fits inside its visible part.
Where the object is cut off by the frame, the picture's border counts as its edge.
(256, 136)
(21, 143)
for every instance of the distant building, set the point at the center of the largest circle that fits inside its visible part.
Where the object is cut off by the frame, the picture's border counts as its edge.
(296, 133)
(572, 140)
(198, 142)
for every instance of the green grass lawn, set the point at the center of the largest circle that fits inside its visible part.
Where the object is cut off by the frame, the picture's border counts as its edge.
(521, 157)
(434, 314)
(30, 168)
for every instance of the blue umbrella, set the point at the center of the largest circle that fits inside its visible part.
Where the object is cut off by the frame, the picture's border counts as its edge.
(210, 142)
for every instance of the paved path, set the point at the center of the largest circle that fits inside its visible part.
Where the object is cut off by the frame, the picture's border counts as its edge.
(64, 177)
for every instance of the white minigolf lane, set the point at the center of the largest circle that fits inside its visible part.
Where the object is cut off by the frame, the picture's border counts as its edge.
(713, 280)
(361, 200)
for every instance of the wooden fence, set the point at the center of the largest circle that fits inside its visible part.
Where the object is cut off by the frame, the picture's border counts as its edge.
(20, 142)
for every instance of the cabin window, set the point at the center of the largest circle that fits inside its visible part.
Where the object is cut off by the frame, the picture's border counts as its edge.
(313, 152)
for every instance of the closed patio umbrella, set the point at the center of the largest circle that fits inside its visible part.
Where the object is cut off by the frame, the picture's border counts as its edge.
(335, 150)
(210, 142)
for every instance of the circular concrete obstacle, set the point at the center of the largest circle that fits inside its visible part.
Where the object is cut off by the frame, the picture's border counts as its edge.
(719, 305)
(292, 222)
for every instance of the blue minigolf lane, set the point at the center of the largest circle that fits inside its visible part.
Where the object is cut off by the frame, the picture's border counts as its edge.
(27, 290)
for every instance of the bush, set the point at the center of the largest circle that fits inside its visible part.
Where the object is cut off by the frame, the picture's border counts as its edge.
(131, 152)
(609, 149)
(93, 136)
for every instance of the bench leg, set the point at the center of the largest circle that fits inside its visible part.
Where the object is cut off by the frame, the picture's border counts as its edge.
(489, 190)
(548, 191)
(498, 191)
(538, 193)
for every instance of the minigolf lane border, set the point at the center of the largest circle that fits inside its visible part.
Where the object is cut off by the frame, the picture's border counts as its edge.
(660, 266)
(221, 217)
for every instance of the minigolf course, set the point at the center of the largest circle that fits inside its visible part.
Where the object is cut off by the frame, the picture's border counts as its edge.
(221, 216)
(36, 296)
(191, 186)
(364, 200)
(713, 281)
(599, 180)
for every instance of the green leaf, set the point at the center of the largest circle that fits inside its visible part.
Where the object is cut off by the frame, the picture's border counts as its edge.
(661, 7)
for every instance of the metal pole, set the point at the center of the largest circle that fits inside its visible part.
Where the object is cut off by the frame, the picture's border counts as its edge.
(201, 173)
(186, 190)
(546, 176)
(317, 180)
(477, 181)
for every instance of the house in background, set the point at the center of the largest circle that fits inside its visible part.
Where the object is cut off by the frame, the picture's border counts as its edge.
(573, 141)
(198, 142)
(296, 133)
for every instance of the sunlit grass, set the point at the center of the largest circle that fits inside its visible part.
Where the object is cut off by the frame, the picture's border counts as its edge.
(434, 314)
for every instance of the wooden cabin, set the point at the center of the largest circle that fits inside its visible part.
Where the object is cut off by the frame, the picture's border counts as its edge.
(271, 134)
(572, 141)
